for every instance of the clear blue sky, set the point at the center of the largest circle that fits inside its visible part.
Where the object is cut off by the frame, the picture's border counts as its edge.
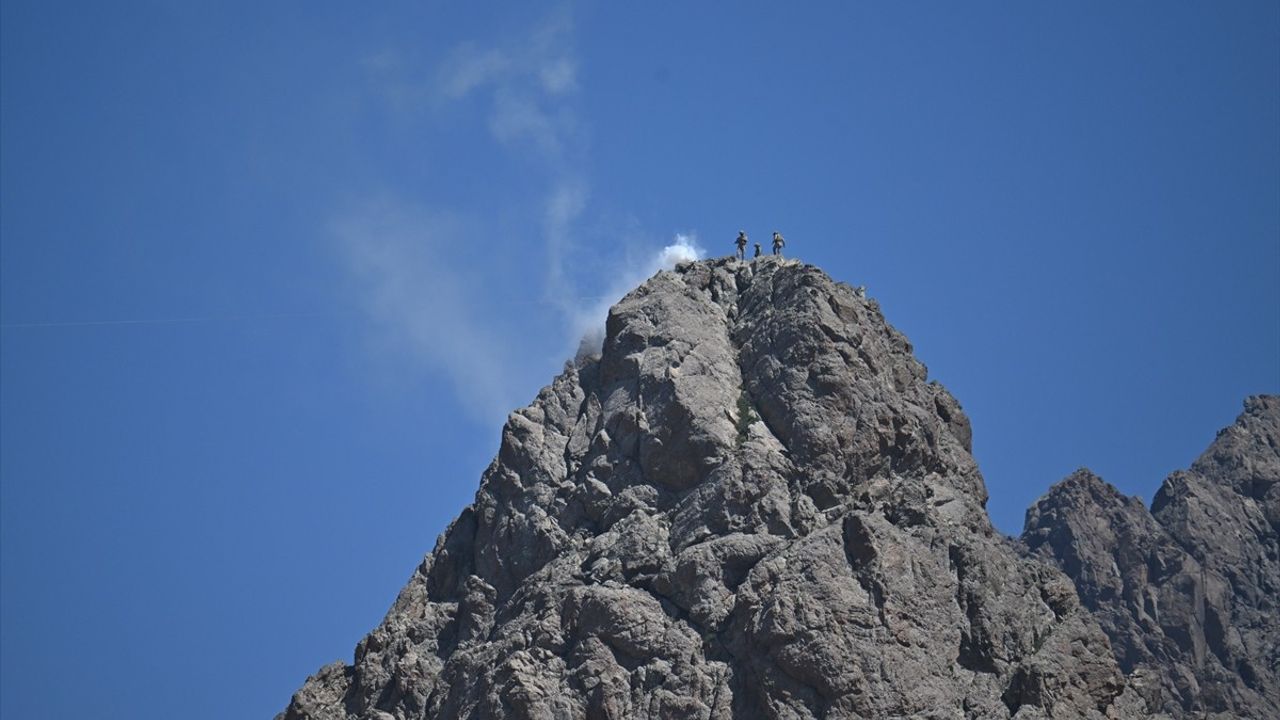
(272, 273)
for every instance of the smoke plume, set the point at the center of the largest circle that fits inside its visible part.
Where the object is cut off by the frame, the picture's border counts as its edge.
(587, 324)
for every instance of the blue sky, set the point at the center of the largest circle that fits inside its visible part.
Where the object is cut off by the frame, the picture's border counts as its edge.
(272, 274)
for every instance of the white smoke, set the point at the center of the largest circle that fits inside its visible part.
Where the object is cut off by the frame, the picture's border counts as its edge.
(415, 286)
(411, 263)
(588, 324)
(684, 249)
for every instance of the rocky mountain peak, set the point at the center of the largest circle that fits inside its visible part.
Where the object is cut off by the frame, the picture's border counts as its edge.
(1187, 592)
(751, 503)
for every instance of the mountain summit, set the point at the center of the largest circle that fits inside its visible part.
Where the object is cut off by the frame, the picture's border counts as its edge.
(752, 503)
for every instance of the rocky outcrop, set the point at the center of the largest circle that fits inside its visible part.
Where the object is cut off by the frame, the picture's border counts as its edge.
(751, 504)
(1189, 592)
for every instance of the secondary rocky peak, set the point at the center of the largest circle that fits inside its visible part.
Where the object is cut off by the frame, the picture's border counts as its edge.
(1188, 591)
(1245, 457)
(751, 503)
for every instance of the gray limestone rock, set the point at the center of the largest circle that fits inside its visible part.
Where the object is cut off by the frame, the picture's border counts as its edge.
(1188, 591)
(752, 503)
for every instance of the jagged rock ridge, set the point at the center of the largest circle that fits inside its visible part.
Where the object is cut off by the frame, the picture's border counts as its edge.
(751, 504)
(1188, 591)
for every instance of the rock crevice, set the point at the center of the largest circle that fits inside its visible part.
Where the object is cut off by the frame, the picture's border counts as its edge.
(1186, 591)
(637, 550)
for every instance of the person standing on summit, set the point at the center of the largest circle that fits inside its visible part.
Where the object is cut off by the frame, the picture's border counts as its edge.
(741, 242)
(778, 243)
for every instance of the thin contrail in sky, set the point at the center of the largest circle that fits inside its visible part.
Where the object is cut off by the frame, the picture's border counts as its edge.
(234, 318)
(163, 321)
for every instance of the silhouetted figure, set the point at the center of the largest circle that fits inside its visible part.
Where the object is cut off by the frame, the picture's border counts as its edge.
(778, 243)
(741, 242)
(757, 249)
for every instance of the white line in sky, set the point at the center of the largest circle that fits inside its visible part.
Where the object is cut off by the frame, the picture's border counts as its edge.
(188, 320)
(162, 321)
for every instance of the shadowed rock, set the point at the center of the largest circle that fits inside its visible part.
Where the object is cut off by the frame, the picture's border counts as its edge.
(640, 548)
(1188, 591)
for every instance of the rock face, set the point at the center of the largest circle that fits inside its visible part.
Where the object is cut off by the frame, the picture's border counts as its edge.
(1189, 592)
(753, 504)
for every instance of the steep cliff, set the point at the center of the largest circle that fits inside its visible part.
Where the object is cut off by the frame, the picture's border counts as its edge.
(1189, 591)
(751, 504)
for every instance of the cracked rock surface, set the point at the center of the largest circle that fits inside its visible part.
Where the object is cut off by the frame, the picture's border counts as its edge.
(751, 504)
(1189, 592)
